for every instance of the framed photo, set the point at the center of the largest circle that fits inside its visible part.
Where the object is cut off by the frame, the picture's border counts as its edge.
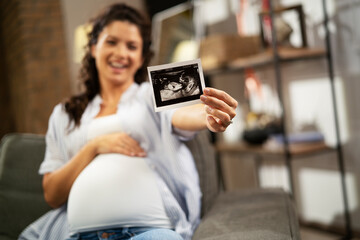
(283, 29)
(176, 84)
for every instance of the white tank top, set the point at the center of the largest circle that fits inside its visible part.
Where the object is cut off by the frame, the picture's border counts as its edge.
(115, 190)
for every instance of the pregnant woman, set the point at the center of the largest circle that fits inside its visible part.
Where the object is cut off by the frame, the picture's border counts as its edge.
(114, 168)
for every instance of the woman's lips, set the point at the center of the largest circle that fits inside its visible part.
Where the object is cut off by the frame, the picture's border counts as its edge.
(118, 67)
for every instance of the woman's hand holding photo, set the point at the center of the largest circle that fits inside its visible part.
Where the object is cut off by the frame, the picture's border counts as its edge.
(220, 109)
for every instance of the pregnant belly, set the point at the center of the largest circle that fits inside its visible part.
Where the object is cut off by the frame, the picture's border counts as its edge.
(115, 190)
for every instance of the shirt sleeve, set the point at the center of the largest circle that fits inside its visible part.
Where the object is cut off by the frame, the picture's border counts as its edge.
(54, 157)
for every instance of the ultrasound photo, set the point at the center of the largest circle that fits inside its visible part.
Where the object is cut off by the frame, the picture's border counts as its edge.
(176, 84)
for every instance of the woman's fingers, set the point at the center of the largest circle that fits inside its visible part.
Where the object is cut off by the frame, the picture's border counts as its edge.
(124, 151)
(119, 143)
(221, 95)
(220, 106)
(130, 146)
(214, 125)
(224, 119)
(217, 101)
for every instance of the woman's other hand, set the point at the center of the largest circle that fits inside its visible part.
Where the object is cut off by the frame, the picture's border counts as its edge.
(220, 109)
(118, 143)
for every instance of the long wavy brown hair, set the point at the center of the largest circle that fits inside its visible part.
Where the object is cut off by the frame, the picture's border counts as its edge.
(76, 105)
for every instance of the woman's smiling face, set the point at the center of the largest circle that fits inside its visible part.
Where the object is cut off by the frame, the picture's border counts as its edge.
(118, 53)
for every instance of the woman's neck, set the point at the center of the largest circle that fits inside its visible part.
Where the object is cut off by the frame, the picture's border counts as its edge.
(111, 96)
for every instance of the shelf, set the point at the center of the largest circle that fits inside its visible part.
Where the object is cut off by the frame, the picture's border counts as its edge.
(296, 149)
(267, 57)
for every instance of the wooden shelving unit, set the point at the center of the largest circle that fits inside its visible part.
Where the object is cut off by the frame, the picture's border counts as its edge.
(267, 57)
(296, 149)
(276, 56)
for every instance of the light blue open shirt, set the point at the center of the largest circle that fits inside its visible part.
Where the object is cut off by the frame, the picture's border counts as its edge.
(167, 155)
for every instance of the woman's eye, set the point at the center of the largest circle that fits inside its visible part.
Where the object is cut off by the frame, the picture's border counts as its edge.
(111, 42)
(132, 47)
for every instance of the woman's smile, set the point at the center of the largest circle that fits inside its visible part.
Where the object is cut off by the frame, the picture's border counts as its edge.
(118, 67)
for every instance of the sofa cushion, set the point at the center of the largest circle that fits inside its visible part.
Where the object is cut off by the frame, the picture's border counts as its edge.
(205, 160)
(250, 215)
(21, 195)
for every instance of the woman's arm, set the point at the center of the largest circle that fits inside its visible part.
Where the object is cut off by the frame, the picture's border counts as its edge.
(216, 112)
(190, 118)
(57, 184)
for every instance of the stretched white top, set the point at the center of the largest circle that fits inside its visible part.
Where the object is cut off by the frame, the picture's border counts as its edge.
(115, 190)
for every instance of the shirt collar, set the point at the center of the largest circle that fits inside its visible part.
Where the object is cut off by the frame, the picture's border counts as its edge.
(93, 107)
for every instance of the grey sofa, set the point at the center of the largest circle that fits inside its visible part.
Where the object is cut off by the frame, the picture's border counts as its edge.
(252, 214)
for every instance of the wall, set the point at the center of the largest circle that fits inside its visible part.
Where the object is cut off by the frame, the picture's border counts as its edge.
(34, 63)
(6, 125)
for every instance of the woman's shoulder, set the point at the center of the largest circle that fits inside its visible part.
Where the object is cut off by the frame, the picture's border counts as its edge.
(145, 91)
(59, 113)
(145, 87)
(59, 110)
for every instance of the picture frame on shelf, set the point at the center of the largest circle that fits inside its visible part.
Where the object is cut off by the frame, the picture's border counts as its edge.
(282, 28)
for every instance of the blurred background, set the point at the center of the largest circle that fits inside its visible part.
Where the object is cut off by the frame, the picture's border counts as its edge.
(41, 46)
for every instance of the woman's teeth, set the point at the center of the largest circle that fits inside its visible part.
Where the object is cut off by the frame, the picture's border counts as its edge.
(117, 65)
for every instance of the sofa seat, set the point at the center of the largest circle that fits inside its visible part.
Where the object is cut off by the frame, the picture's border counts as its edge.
(254, 214)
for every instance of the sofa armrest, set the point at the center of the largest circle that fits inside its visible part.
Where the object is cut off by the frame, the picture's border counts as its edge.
(21, 195)
(250, 215)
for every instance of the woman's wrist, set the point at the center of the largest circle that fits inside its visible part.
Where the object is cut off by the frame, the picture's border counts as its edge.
(190, 118)
(93, 147)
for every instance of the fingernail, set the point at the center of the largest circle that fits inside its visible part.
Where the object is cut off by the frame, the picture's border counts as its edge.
(203, 98)
(209, 109)
(206, 90)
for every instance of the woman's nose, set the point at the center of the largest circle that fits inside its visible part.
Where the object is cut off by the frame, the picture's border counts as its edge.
(121, 50)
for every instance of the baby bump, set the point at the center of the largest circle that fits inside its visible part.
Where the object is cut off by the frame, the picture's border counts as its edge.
(111, 190)
(112, 170)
